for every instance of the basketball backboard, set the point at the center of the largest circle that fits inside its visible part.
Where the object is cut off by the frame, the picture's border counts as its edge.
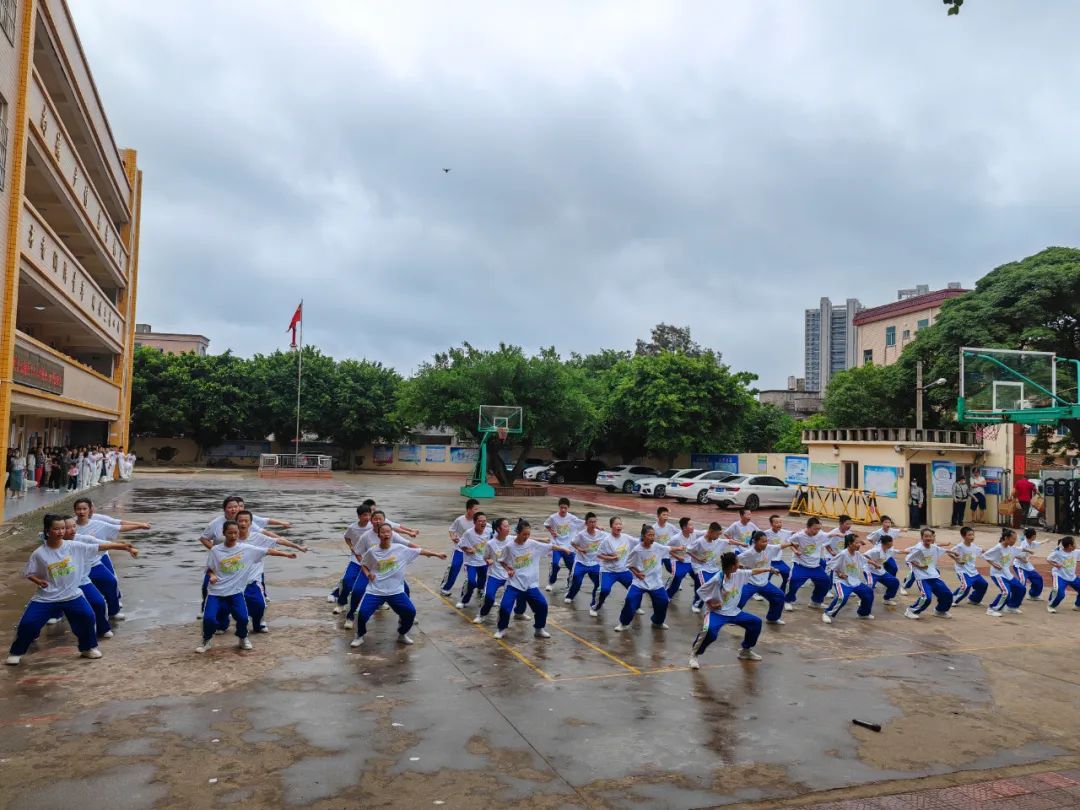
(496, 417)
(1006, 385)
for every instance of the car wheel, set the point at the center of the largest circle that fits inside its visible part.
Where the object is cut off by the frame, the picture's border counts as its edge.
(628, 487)
(752, 502)
(659, 491)
(703, 496)
(723, 504)
(560, 479)
(609, 489)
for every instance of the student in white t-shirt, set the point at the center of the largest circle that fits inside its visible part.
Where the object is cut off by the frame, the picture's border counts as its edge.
(56, 567)
(586, 544)
(666, 532)
(762, 554)
(807, 547)
(644, 562)
(704, 553)
(972, 584)
(360, 545)
(355, 530)
(848, 569)
(1063, 570)
(212, 534)
(461, 524)
(1003, 574)
(102, 573)
(1025, 568)
(923, 559)
(877, 572)
(230, 564)
(562, 526)
(384, 566)
(496, 574)
(742, 529)
(612, 554)
(472, 545)
(833, 543)
(776, 534)
(255, 592)
(886, 529)
(685, 538)
(520, 560)
(721, 596)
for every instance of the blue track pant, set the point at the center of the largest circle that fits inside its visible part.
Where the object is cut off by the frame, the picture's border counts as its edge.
(800, 574)
(578, 577)
(785, 573)
(843, 591)
(217, 611)
(399, 603)
(348, 580)
(770, 593)
(972, 587)
(560, 557)
(1032, 580)
(678, 575)
(97, 604)
(105, 581)
(929, 589)
(715, 621)
(891, 583)
(535, 599)
(77, 611)
(1061, 585)
(452, 571)
(1011, 593)
(634, 595)
(491, 590)
(475, 580)
(608, 580)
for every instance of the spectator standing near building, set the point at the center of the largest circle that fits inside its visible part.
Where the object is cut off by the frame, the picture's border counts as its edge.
(1023, 491)
(960, 494)
(916, 498)
(978, 496)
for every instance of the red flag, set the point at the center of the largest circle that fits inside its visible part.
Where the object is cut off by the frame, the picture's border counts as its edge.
(297, 317)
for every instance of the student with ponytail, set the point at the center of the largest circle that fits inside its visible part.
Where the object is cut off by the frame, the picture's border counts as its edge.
(1003, 574)
(1030, 578)
(1063, 570)
(612, 554)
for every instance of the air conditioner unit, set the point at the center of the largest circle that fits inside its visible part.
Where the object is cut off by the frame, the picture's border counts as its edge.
(1074, 461)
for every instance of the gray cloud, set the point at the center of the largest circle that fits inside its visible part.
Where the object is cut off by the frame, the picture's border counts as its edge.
(717, 165)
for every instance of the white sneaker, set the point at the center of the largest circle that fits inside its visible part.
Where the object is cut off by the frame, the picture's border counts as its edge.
(549, 588)
(867, 616)
(1035, 599)
(520, 617)
(337, 609)
(777, 621)
(348, 624)
(911, 614)
(1076, 607)
(758, 597)
(91, 653)
(992, 612)
(789, 605)
(117, 617)
(593, 613)
(404, 639)
(264, 628)
(331, 598)
(245, 643)
(1013, 610)
(817, 605)
(694, 662)
(107, 634)
(206, 645)
(356, 642)
(444, 593)
(695, 609)
(499, 633)
(662, 626)
(385, 606)
(567, 600)
(541, 633)
(620, 627)
(903, 592)
(13, 660)
(460, 605)
(199, 617)
(1051, 609)
(478, 620)
(749, 655)
(641, 611)
(825, 617)
(942, 614)
(889, 602)
(53, 620)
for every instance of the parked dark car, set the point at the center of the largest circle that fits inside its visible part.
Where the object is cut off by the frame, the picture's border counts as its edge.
(581, 471)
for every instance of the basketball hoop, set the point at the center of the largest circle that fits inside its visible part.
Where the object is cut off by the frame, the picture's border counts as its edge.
(986, 432)
(501, 432)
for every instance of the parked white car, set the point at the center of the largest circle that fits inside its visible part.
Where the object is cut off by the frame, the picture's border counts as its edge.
(698, 487)
(530, 473)
(623, 477)
(752, 491)
(656, 487)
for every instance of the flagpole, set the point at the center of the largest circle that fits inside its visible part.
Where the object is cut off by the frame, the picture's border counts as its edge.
(299, 370)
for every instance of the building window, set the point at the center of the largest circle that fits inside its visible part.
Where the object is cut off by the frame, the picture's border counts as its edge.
(890, 335)
(851, 475)
(867, 356)
(925, 322)
(907, 334)
(7, 19)
(3, 141)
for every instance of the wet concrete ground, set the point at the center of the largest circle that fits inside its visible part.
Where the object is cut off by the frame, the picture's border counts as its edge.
(590, 718)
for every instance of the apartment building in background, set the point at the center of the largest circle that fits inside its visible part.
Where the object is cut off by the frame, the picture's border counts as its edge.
(829, 341)
(71, 199)
(170, 342)
(881, 333)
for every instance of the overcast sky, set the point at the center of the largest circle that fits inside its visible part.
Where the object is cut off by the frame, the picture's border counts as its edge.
(614, 164)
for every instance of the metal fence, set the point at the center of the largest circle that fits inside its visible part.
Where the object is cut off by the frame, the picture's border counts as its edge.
(295, 464)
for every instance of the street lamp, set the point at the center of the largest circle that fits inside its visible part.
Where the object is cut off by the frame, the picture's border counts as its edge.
(919, 388)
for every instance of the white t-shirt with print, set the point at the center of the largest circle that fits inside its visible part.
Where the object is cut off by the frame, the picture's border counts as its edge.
(388, 566)
(621, 547)
(925, 556)
(493, 551)
(64, 568)
(1024, 549)
(470, 539)
(807, 548)
(1067, 561)
(564, 526)
(232, 565)
(369, 540)
(1003, 557)
(968, 556)
(525, 558)
(213, 529)
(667, 535)
(741, 531)
(728, 590)
(102, 531)
(710, 551)
(586, 546)
(261, 541)
(759, 559)
(849, 568)
(647, 561)
(780, 538)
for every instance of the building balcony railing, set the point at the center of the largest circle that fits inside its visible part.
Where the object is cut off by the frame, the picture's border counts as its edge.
(903, 436)
(60, 26)
(56, 143)
(61, 275)
(45, 369)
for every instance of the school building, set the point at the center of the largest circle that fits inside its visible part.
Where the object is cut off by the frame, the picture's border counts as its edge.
(881, 333)
(71, 200)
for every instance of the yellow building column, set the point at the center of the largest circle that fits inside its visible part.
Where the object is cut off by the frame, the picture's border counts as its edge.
(120, 430)
(11, 260)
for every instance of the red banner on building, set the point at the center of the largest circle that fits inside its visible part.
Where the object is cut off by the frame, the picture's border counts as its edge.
(38, 371)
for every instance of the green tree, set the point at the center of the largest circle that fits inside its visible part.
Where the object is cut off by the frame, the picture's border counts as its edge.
(763, 427)
(364, 405)
(158, 386)
(869, 396)
(666, 337)
(216, 399)
(790, 441)
(681, 402)
(272, 379)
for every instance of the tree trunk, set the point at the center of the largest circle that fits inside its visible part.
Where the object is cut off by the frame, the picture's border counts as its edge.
(496, 466)
(352, 458)
(519, 466)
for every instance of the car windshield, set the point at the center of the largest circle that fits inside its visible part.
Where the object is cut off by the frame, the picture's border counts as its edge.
(669, 473)
(689, 473)
(737, 479)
